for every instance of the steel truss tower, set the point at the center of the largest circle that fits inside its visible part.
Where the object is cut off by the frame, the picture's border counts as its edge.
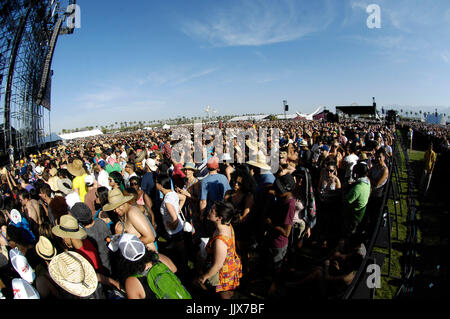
(29, 30)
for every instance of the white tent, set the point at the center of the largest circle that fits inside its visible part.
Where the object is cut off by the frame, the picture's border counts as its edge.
(166, 127)
(71, 136)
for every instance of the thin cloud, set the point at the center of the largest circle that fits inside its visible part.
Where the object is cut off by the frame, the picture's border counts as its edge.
(257, 23)
(194, 76)
(172, 77)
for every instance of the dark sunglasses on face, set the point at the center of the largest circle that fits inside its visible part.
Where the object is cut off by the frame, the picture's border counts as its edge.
(134, 184)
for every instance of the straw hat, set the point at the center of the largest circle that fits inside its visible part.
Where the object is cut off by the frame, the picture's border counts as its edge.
(98, 150)
(44, 248)
(60, 185)
(253, 144)
(261, 161)
(140, 155)
(115, 199)
(53, 171)
(76, 168)
(73, 273)
(68, 228)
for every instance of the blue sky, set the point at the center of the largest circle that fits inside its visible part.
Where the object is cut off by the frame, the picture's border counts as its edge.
(144, 60)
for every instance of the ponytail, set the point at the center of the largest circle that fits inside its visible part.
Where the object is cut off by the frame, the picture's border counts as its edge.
(227, 212)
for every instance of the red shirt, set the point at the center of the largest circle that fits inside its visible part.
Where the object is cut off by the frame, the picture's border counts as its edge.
(89, 252)
(178, 175)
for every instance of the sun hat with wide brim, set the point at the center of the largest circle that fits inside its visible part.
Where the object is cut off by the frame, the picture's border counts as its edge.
(44, 248)
(140, 156)
(53, 171)
(62, 188)
(260, 161)
(98, 150)
(76, 168)
(68, 228)
(253, 144)
(73, 273)
(116, 199)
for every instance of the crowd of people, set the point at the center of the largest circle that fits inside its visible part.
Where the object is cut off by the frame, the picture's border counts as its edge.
(96, 218)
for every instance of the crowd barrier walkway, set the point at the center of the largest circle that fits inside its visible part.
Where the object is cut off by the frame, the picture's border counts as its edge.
(381, 234)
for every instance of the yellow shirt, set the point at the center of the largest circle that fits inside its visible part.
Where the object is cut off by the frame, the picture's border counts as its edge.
(430, 159)
(78, 182)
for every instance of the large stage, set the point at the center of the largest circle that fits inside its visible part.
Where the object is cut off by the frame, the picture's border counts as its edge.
(29, 30)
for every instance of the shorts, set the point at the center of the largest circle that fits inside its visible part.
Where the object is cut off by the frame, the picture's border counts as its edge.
(277, 255)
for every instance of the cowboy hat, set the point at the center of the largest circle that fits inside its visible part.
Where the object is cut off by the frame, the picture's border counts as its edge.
(140, 155)
(73, 273)
(53, 171)
(68, 228)
(62, 188)
(260, 161)
(116, 199)
(44, 248)
(253, 144)
(76, 168)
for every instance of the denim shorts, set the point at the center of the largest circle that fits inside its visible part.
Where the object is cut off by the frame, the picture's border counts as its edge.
(277, 255)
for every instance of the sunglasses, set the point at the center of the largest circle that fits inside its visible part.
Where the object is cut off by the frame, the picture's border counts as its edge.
(134, 184)
(331, 170)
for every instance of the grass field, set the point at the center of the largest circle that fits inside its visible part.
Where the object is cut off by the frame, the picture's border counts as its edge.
(432, 235)
(390, 284)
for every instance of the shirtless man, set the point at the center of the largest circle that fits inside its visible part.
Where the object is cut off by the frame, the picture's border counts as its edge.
(131, 219)
(30, 206)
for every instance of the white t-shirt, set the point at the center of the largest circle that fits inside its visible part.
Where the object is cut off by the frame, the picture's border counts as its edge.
(103, 179)
(350, 161)
(171, 198)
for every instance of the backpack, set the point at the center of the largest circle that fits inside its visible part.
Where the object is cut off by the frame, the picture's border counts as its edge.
(164, 283)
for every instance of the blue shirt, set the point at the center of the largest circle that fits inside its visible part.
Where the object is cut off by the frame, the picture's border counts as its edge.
(213, 188)
(147, 183)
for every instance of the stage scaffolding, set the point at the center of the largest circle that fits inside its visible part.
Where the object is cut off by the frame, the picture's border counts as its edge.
(29, 30)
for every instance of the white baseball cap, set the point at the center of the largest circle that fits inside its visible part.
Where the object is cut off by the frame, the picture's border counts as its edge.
(131, 247)
(16, 217)
(150, 162)
(72, 199)
(21, 265)
(89, 180)
(23, 290)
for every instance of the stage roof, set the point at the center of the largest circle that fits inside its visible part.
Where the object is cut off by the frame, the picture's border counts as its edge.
(356, 110)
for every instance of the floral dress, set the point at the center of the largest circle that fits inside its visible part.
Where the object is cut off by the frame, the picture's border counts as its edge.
(231, 271)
